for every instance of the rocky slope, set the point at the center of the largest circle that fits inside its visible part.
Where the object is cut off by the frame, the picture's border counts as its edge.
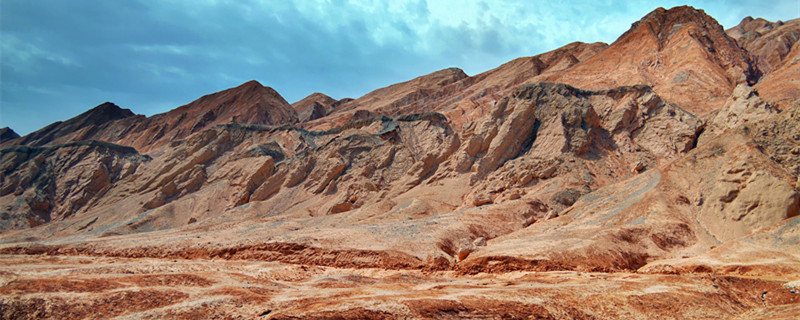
(459, 97)
(769, 42)
(85, 125)
(684, 54)
(774, 44)
(6, 134)
(248, 103)
(782, 85)
(315, 106)
(497, 195)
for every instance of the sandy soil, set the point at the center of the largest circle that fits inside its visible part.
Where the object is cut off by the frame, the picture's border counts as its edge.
(82, 287)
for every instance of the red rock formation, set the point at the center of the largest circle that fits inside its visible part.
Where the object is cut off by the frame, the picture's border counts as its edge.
(520, 191)
(313, 107)
(78, 128)
(769, 42)
(44, 184)
(248, 103)
(682, 53)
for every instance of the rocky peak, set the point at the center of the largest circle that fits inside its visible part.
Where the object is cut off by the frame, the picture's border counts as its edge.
(81, 125)
(751, 28)
(389, 100)
(769, 42)
(7, 133)
(250, 103)
(444, 76)
(104, 112)
(682, 53)
(314, 106)
(664, 23)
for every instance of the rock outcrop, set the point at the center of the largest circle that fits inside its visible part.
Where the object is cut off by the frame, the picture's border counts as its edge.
(313, 107)
(44, 184)
(769, 42)
(682, 53)
(6, 134)
(81, 127)
(606, 170)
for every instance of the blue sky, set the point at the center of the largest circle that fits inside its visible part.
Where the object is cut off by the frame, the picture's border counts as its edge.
(59, 58)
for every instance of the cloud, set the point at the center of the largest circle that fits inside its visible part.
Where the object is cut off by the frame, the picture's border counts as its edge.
(61, 57)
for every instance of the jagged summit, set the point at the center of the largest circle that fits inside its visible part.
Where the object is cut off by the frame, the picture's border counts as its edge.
(770, 42)
(663, 23)
(314, 106)
(249, 102)
(775, 48)
(6, 134)
(580, 170)
(76, 128)
(683, 53)
(104, 112)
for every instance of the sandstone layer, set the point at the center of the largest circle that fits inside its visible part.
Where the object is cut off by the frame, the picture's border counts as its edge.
(656, 177)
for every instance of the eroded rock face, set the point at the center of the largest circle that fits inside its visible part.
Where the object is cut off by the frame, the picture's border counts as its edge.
(545, 130)
(80, 127)
(744, 107)
(6, 134)
(313, 107)
(746, 199)
(780, 139)
(780, 85)
(769, 42)
(682, 53)
(42, 184)
(484, 174)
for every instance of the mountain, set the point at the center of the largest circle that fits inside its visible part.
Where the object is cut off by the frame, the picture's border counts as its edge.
(248, 103)
(774, 44)
(460, 97)
(682, 53)
(313, 107)
(84, 125)
(769, 42)
(656, 177)
(6, 134)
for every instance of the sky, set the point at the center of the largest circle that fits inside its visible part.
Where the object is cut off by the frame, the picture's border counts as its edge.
(60, 58)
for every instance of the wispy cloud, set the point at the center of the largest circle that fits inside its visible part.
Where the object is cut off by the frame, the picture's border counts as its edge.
(61, 57)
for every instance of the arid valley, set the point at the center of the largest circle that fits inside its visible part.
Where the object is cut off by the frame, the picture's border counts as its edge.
(655, 177)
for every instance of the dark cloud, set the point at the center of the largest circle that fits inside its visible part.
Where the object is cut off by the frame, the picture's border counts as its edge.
(61, 57)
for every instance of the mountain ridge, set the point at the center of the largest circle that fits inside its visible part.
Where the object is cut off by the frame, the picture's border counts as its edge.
(658, 176)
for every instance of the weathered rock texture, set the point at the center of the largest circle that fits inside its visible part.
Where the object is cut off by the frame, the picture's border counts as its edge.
(655, 177)
(78, 128)
(6, 134)
(769, 42)
(774, 45)
(313, 107)
(682, 53)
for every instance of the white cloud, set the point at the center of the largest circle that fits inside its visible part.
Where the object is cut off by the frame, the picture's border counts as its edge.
(26, 56)
(147, 54)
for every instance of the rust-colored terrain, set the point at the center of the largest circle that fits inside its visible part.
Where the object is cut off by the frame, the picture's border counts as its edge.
(655, 177)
